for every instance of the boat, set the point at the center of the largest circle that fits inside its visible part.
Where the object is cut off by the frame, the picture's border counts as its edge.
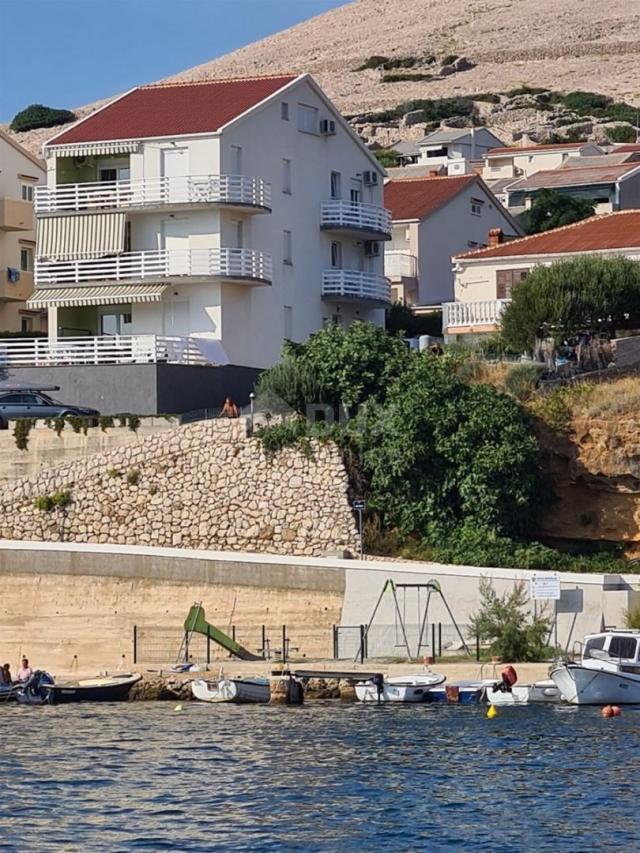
(525, 694)
(240, 690)
(399, 688)
(608, 671)
(8, 692)
(461, 693)
(41, 689)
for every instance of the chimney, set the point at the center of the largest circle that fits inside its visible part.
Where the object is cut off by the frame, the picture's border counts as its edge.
(495, 237)
(433, 173)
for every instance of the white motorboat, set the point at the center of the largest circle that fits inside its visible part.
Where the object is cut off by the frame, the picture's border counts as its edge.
(608, 671)
(399, 688)
(241, 690)
(525, 694)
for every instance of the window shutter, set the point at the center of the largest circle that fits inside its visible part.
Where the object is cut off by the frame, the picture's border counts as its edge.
(504, 280)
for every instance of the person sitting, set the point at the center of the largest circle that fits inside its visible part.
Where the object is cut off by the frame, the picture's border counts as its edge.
(229, 410)
(25, 672)
(5, 674)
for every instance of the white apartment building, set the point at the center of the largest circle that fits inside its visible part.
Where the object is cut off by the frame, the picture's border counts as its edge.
(20, 173)
(453, 151)
(208, 222)
(522, 161)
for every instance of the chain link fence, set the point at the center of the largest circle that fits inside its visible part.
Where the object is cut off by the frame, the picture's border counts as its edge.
(389, 641)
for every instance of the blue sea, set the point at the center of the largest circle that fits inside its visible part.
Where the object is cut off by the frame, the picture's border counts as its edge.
(326, 776)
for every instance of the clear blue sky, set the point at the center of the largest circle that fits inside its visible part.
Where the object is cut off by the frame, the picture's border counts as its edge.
(72, 52)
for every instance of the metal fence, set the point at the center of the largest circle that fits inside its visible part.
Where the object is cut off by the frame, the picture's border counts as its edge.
(389, 641)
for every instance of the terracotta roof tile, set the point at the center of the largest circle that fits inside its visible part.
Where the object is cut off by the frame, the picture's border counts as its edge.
(417, 198)
(173, 109)
(620, 230)
(585, 176)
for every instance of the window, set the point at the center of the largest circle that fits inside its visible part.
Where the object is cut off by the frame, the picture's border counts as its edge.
(26, 259)
(237, 230)
(596, 643)
(355, 192)
(287, 257)
(506, 280)
(26, 323)
(27, 192)
(476, 206)
(284, 111)
(236, 160)
(286, 176)
(437, 152)
(622, 647)
(336, 255)
(307, 119)
(114, 173)
(288, 322)
(336, 191)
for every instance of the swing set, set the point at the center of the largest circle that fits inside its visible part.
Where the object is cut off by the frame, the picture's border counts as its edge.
(432, 587)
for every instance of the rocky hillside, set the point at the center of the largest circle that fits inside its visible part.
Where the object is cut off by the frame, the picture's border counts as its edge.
(377, 56)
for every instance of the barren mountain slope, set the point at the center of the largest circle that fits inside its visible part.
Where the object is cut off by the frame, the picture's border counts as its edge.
(561, 44)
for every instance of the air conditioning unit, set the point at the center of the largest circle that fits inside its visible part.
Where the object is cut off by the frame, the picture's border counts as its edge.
(370, 179)
(327, 127)
(372, 249)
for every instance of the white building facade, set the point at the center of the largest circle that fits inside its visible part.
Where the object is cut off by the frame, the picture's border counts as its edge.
(217, 218)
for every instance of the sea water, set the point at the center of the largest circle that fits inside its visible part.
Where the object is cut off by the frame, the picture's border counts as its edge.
(325, 776)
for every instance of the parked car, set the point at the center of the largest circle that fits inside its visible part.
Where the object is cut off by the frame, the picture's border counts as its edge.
(35, 404)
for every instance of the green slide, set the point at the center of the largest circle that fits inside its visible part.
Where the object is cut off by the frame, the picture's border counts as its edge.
(196, 623)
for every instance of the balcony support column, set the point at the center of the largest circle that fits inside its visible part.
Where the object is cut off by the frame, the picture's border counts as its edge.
(52, 322)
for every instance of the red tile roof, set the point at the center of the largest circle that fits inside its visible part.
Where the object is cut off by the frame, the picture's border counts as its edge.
(620, 230)
(173, 109)
(417, 198)
(540, 149)
(576, 177)
(627, 148)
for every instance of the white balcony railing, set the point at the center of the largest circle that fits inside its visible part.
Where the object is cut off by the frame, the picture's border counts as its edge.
(354, 284)
(486, 312)
(153, 192)
(163, 263)
(351, 215)
(118, 349)
(400, 265)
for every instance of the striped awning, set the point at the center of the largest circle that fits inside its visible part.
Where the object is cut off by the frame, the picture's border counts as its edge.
(87, 149)
(104, 294)
(89, 235)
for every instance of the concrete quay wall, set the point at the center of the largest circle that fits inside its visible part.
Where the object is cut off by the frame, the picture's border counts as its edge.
(71, 607)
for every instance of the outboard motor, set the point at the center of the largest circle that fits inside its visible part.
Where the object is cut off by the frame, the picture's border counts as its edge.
(508, 678)
(37, 690)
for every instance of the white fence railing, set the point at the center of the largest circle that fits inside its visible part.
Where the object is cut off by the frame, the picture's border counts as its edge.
(400, 264)
(107, 349)
(355, 215)
(149, 192)
(486, 312)
(163, 263)
(354, 284)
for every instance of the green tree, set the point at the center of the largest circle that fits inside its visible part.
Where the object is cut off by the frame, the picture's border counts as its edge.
(621, 133)
(506, 622)
(400, 320)
(387, 157)
(561, 300)
(37, 115)
(552, 209)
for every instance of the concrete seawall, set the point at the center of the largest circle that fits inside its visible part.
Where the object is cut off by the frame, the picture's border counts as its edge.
(73, 607)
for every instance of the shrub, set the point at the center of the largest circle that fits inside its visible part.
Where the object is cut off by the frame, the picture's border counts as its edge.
(133, 477)
(374, 61)
(400, 320)
(632, 618)
(403, 78)
(79, 423)
(525, 90)
(387, 157)
(37, 115)
(504, 621)
(291, 433)
(21, 432)
(105, 422)
(449, 59)
(522, 380)
(584, 103)
(489, 97)
(57, 500)
(622, 112)
(621, 133)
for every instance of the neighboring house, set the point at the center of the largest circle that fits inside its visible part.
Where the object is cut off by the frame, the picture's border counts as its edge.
(453, 152)
(433, 219)
(408, 152)
(484, 279)
(522, 161)
(608, 188)
(20, 172)
(211, 220)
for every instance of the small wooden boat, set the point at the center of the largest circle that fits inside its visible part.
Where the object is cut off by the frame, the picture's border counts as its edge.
(241, 690)
(399, 688)
(525, 694)
(42, 690)
(461, 693)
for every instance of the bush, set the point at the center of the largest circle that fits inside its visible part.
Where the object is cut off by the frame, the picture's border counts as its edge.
(21, 432)
(584, 103)
(522, 380)
(621, 133)
(489, 97)
(37, 115)
(504, 621)
(435, 109)
(400, 320)
(57, 500)
(388, 63)
(632, 618)
(374, 61)
(449, 59)
(403, 78)
(387, 157)
(525, 90)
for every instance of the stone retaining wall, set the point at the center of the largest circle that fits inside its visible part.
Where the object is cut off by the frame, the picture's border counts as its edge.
(200, 486)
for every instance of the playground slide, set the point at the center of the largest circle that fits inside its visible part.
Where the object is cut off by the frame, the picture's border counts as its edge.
(196, 623)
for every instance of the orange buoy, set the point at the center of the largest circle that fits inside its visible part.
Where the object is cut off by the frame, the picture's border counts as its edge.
(607, 711)
(616, 710)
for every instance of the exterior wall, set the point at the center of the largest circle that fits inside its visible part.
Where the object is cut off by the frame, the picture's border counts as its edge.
(629, 193)
(14, 163)
(523, 165)
(448, 232)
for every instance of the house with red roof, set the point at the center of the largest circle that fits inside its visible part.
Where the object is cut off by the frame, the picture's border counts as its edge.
(434, 218)
(205, 223)
(485, 278)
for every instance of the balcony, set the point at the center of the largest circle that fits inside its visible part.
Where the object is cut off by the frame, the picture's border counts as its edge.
(15, 215)
(370, 221)
(353, 285)
(234, 191)
(243, 266)
(464, 317)
(400, 265)
(106, 349)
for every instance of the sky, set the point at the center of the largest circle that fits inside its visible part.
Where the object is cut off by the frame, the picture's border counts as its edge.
(67, 53)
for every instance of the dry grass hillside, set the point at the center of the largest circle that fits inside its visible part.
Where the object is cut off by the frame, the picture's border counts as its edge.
(560, 44)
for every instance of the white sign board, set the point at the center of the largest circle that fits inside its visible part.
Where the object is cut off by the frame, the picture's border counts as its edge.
(546, 585)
